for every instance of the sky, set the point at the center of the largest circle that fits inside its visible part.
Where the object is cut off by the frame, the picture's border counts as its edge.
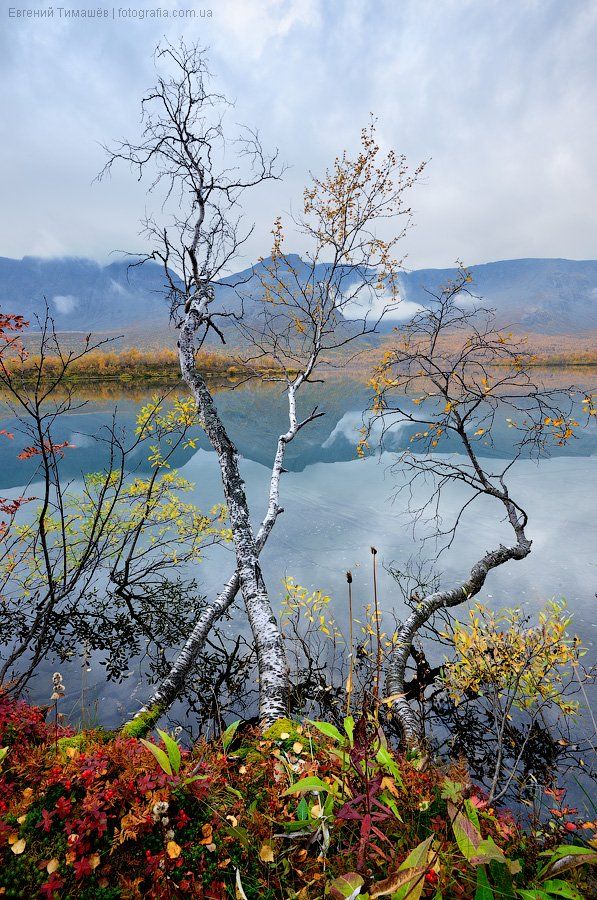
(499, 95)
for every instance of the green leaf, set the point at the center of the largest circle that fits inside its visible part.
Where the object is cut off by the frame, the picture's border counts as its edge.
(329, 730)
(568, 850)
(160, 755)
(566, 857)
(347, 886)
(299, 825)
(471, 813)
(302, 810)
(238, 794)
(228, 734)
(483, 891)
(451, 790)
(533, 894)
(385, 759)
(418, 856)
(389, 801)
(193, 778)
(311, 783)
(486, 851)
(416, 860)
(467, 836)
(328, 806)
(3, 753)
(349, 728)
(172, 749)
(561, 889)
(239, 835)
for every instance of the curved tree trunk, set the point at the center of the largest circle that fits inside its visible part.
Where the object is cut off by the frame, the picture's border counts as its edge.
(410, 723)
(173, 685)
(271, 659)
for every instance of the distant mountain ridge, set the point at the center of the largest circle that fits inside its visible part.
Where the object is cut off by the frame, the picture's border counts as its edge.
(82, 294)
(543, 296)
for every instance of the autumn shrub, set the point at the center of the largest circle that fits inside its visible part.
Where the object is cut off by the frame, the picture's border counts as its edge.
(102, 364)
(302, 810)
(109, 363)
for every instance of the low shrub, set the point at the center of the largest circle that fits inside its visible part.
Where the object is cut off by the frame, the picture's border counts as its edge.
(300, 811)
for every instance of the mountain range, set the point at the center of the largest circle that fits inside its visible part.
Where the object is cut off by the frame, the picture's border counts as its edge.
(541, 296)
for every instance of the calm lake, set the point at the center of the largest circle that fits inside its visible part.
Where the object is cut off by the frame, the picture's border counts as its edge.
(337, 506)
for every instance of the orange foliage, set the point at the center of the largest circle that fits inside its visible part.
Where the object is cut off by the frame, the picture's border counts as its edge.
(111, 364)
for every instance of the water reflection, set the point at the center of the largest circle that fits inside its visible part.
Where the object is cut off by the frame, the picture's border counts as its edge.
(255, 415)
(337, 506)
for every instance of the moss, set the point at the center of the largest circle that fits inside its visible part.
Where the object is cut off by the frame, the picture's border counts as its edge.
(78, 741)
(142, 723)
(283, 732)
(284, 727)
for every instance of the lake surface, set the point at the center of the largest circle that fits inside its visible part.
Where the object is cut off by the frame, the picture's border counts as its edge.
(337, 506)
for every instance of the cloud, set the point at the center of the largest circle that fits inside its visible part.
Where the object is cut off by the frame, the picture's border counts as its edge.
(404, 311)
(117, 288)
(501, 97)
(466, 300)
(254, 27)
(375, 303)
(65, 303)
(348, 428)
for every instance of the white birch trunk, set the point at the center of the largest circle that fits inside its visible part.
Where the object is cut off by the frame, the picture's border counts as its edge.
(271, 660)
(173, 685)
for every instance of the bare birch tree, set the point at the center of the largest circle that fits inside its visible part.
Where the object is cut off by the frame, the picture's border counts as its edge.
(455, 378)
(182, 150)
(303, 317)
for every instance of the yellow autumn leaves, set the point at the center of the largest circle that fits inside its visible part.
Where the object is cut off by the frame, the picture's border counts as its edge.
(173, 849)
(266, 853)
(312, 605)
(501, 652)
(155, 418)
(17, 845)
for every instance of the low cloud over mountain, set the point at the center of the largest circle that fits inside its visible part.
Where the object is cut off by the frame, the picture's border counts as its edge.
(542, 296)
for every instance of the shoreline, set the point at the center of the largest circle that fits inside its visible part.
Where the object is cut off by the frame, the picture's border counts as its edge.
(235, 375)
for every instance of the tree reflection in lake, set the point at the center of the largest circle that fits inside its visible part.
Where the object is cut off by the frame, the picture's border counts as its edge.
(337, 506)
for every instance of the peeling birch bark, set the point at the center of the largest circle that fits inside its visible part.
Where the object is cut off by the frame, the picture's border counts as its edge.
(173, 685)
(271, 659)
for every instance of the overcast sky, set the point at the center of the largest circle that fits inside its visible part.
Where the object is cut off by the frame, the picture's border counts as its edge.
(500, 95)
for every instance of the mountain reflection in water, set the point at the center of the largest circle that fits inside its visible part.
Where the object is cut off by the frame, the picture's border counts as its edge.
(337, 506)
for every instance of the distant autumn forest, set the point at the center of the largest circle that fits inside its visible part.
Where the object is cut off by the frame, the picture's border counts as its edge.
(548, 350)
